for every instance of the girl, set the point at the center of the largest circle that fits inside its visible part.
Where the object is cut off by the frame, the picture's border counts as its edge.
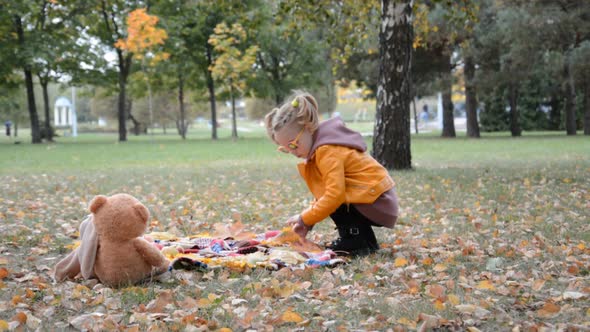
(348, 185)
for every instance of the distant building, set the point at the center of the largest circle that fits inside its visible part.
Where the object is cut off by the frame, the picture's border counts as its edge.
(62, 112)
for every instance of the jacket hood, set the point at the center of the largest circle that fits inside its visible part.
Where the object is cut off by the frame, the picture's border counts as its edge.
(334, 132)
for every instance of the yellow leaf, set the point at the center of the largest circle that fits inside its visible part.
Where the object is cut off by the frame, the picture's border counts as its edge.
(439, 305)
(4, 325)
(203, 303)
(440, 267)
(581, 246)
(486, 284)
(20, 214)
(400, 261)
(427, 261)
(225, 329)
(16, 300)
(3, 261)
(454, 299)
(291, 317)
(409, 323)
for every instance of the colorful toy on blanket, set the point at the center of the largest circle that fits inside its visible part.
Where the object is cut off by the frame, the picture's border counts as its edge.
(271, 250)
(112, 248)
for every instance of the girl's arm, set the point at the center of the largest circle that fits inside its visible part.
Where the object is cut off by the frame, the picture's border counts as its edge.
(331, 165)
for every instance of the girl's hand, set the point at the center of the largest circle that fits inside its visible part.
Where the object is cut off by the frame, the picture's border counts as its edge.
(293, 220)
(300, 228)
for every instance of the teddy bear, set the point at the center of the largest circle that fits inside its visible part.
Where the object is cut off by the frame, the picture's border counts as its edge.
(112, 248)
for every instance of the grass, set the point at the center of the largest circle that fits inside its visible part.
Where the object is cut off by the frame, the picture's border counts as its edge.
(523, 200)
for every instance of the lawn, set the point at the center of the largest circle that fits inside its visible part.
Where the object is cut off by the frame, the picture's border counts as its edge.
(493, 234)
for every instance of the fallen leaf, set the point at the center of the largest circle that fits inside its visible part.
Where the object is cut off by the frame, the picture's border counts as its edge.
(538, 284)
(3, 273)
(429, 322)
(20, 317)
(440, 267)
(439, 305)
(548, 310)
(407, 322)
(400, 261)
(291, 317)
(486, 284)
(574, 295)
(453, 299)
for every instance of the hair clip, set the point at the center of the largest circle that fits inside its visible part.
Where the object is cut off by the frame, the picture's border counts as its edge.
(295, 103)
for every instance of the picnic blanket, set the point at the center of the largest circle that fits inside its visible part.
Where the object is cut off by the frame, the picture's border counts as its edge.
(230, 246)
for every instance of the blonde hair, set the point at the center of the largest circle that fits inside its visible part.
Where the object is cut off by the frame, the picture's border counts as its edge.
(300, 108)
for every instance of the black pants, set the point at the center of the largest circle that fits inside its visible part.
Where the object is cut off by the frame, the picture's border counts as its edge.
(349, 215)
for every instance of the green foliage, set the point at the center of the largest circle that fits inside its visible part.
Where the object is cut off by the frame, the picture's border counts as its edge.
(529, 103)
(493, 116)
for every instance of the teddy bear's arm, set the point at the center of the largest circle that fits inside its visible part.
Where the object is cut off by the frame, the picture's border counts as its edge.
(150, 254)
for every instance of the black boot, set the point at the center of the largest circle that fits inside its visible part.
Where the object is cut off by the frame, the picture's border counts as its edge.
(354, 240)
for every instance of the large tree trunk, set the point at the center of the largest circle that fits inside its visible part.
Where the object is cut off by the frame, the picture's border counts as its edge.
(515, 127)
(124, 67)
(555, 112)
(470, 98)
(448, 129)
(587, 109)
(391, 142)
(448, 122)
(35, 132)
(48, 130)
(182, 126)
(570, 102)
(211, 88)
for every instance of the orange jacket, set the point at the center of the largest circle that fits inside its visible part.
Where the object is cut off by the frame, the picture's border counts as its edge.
(338, 174)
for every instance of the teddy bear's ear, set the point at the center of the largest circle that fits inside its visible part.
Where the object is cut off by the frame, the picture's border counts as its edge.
(97, 202)
(142, 211)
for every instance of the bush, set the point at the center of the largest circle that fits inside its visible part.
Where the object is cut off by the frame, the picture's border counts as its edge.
(494, 116)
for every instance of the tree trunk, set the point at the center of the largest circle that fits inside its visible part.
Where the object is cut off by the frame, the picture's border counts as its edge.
(211, 88)
(448, 129)
(555, 112)
(182, 129)
(391, 142)
(124, 67)
(570, 102)
(515, 127)
(136, 125)
(471, 98)
(35, 132)
(234, 124)
(48, 130)
(587, 109)
(415, 115)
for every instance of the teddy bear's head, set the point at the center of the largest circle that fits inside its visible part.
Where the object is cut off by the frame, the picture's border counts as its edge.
(119, 217)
